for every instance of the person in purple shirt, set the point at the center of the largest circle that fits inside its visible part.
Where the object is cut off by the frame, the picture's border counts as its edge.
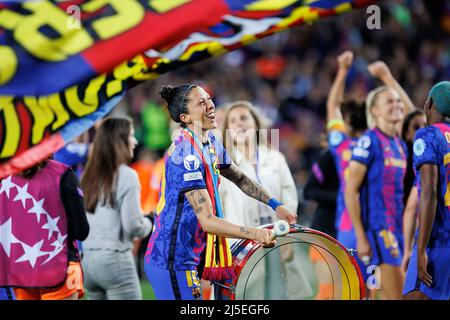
(428, 274)
(374, 194)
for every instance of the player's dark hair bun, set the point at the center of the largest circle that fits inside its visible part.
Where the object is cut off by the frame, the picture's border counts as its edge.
(177, 99)
(168, 93)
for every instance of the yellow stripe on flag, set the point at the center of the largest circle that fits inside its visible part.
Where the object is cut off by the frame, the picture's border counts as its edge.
(344, 7)
(264, 5)
(306, 13)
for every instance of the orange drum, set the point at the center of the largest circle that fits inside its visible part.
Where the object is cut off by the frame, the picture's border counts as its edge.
(304, 265)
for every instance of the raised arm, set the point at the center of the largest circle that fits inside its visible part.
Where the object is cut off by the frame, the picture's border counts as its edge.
(357, 172)
(380, 70)
(336, 95)
(202, 205)
(256, 191)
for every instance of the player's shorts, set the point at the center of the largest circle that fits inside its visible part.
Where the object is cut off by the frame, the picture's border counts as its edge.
(73, 284)
(386, 247)
(7, 293)
(174, 285)
(348, 240)
(438, 268)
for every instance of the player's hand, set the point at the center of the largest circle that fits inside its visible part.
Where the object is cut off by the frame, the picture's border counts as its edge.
(379, 69)
(364, 250)
(422, 263)
(345, 59)
(264, 237)
(285, 215)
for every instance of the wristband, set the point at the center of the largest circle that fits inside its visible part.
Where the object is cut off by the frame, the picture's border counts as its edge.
(335, 122)
(273, 203)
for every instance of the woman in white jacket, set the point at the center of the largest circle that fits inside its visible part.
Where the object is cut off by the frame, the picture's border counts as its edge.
(245, 137)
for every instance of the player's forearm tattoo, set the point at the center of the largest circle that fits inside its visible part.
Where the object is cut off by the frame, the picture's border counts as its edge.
(197, 200)
(246, 231)
(201, 199)
(247, 185)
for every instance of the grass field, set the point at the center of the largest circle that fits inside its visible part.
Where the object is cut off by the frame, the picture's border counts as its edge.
(147, 291)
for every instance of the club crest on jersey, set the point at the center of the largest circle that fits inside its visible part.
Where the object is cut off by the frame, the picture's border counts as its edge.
(364, 142)
(335, 138)
(191, 162)
(419, 147)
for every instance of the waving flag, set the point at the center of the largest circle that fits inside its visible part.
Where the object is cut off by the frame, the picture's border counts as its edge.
(65, 64)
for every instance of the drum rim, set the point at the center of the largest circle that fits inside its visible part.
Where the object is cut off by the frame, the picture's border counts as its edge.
(347, 276)
(297, 228)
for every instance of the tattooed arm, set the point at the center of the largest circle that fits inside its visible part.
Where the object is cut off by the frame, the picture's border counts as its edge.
(254, 190)
(201, 203)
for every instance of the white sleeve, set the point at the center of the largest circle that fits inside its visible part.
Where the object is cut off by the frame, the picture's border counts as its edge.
(289, 196)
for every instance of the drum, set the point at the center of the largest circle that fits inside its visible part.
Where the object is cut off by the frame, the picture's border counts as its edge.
(304, 265)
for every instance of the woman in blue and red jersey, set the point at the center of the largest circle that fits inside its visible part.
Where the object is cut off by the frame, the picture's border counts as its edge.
(374, 194)
(346, 123)
(189, 235)
(428, 275)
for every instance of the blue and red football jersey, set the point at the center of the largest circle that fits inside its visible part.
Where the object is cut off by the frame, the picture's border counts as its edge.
(381, 193)
(432, 146)
(178, 240)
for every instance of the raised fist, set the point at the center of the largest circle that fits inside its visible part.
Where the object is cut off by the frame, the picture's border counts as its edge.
(379, 69)
(345, 59)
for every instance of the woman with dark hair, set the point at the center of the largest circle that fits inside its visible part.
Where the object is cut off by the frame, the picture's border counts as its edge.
(413, 122)
(428, 275)
(112, 199)
(41, 216)
(190, 234)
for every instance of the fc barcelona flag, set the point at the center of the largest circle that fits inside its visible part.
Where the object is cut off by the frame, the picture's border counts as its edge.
(65, 64)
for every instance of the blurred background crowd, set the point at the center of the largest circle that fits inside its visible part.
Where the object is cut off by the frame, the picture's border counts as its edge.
(288, 77)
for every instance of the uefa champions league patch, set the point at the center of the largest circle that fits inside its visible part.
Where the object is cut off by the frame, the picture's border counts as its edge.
(191, 162)
(419, 147)
(364, 142)
(335, 138)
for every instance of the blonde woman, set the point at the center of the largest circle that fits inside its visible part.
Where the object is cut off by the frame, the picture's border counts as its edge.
(245, 138)
(374, 192)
